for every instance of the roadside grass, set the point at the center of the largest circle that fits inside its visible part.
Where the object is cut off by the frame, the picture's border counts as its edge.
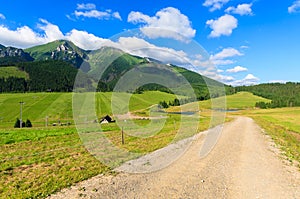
(283, 126)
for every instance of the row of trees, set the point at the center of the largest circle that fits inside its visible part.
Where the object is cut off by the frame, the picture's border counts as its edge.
(282, 95)
(176, 102)
(24, 124)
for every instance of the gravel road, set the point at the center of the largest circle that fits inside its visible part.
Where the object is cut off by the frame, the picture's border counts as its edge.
(243, 164)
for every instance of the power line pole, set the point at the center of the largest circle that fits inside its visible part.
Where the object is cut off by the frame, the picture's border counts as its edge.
(21, 106)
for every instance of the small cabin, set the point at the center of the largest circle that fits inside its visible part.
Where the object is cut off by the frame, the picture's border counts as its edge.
(106, 119)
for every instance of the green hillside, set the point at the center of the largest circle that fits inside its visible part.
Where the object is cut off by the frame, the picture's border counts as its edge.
(58, 106)
(281, 95)
(12, 71)
(240, 100)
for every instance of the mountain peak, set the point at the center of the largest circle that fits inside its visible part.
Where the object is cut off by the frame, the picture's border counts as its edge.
(58, 50)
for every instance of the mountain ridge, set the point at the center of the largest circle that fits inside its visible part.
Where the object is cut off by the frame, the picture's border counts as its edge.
(105, 65)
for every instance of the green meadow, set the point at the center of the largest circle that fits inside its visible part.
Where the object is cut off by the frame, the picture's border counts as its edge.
(38, 161)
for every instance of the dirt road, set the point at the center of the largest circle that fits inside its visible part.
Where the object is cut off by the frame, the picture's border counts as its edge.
(243, 164)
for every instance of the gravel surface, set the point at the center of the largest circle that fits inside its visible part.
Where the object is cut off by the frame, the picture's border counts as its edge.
(243, 164)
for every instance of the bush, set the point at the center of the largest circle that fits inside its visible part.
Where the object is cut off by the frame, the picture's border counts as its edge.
(28, 123)
(17, 123)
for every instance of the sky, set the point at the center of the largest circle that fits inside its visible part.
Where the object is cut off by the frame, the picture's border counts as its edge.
(245, 42)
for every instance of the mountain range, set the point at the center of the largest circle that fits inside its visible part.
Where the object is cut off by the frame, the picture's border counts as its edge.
(100, 68)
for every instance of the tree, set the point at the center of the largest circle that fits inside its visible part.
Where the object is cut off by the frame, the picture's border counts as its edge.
(28, 123)
(17, 123)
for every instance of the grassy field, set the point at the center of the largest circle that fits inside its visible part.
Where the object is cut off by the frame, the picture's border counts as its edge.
(39, 161)
(58, 106)
(12, 71)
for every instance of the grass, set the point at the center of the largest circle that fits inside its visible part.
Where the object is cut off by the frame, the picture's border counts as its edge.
(241, 100)
(58, 106)
(282, 124)
(39, 161)
(12, 71)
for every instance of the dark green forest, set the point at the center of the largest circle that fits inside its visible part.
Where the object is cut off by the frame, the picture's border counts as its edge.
(282, 95)
(55, 76)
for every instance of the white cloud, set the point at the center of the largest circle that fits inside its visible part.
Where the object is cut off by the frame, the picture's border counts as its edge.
(52, 32)
(98, 14)
(2, 16)
(117, 15)
(241, 9)
(167, 23)
(87, 6)
(226, 53)
(278, 81)
(222, 26)
(89, 11)
(215, 4)
(24, 36)
(295, 7)
(248, 80)
(85, 40)
(236, 69)
(244, 47)
(221, 58)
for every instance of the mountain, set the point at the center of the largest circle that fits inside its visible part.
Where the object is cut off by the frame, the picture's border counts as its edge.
(106, 66)
(59, 50)
(9, 55)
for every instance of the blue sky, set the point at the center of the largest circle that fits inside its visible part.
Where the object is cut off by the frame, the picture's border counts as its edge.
(247, 41)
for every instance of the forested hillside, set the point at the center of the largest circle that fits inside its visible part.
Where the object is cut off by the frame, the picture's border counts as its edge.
(282, 95)
(44, 76)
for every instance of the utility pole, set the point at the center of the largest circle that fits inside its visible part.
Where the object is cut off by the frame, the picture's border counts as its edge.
(21, 106)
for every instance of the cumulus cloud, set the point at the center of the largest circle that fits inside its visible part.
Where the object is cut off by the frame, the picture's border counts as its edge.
(248, 80)
(108, 14)
(226, 53)
(236, 69)
(221, 58)
(214, 4)
(85, 40)
(222, 26)
(24, 36)
(241, 9)
(2, 16)
(89, 11)
(167, 23)
(295, 7)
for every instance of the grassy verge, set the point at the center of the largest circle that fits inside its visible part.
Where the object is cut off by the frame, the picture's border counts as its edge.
(283, 127)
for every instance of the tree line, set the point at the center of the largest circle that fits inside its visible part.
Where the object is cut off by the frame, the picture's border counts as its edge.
(281, 95)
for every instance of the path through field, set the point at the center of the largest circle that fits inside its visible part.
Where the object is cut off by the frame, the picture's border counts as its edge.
(243, 164)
